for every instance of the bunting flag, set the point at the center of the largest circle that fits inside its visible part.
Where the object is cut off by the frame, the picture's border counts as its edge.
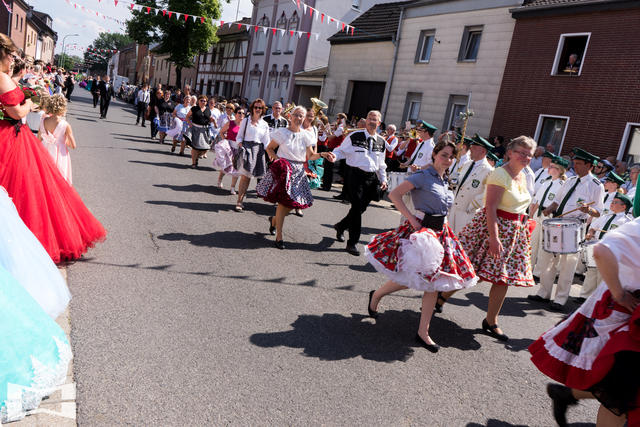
(346, 28)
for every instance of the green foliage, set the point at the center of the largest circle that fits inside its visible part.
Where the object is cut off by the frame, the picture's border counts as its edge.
(97, 61)
(181, 39)
(68, 62)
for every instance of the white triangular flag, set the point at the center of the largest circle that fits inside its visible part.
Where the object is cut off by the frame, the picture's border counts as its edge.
(281, 32)
(265, 30)
(317, 36)
(305, 8)
(194, 18)
(299, 34)
(178, 15)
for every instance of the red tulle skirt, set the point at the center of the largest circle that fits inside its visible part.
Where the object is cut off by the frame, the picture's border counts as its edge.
(46, 202)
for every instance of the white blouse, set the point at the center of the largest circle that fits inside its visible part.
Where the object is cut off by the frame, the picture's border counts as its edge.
(292, 145)
(256, 133)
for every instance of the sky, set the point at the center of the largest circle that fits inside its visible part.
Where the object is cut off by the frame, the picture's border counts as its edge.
(70, 20)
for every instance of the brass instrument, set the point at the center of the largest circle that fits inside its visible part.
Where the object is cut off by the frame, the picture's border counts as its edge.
(289, 109)
(412, 133)
(318, 105)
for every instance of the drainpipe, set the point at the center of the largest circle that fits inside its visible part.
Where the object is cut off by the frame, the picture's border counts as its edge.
(396, 44)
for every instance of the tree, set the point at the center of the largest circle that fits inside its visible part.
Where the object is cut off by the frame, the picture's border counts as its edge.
(67, 61)
(182, 39)
(109, 42)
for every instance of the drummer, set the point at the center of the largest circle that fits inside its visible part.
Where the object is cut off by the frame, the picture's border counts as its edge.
(580, 197)
(612, 185)
(542, 174)
(599, 227)
(472, 183)
(545, 195)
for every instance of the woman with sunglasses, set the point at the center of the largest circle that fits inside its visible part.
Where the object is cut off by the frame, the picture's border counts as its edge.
(199, 118)
(285, 183)
(227, 147)
(254, 137)
(45, 201)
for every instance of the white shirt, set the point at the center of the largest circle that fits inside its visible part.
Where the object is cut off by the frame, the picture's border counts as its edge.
(590, 189)
(536, 163)
(540, 177)
(358, 157)
(631, 192)
(181, 111)
(215, 113)
(550, 197)
(292, 145)
(422, 156)
(528, 173)
(256, 133)
(599, 223)
(608, 198)
(456, 167)
(391, 144)
(313, 134)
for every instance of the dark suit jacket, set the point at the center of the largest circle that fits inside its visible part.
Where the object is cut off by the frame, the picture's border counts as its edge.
(105, 93)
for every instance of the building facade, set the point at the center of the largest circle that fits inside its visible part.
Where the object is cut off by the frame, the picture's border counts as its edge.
(127, 62)
(45, 43)
(30, 39)
(14, 24)
(591, 101)
(221, 68)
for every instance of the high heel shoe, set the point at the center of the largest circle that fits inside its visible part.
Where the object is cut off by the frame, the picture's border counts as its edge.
(272, 229)
(433, 348)
(491, 330)
(372, 313)
(280, 244)
(438, 306)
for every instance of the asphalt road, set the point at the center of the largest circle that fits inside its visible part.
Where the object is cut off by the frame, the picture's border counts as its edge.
(187, 314)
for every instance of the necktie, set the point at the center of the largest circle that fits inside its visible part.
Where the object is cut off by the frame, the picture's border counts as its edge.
(370, 141)
(566, 198)
(606, 197)
(539, 175)
(415, 153)
(544, 197)
(464, 178)
(606, 226)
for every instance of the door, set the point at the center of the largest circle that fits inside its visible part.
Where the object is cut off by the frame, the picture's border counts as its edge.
(366, 96)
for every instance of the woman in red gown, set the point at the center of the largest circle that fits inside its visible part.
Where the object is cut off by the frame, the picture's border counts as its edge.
(47, 204)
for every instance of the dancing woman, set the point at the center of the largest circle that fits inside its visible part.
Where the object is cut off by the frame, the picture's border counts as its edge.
(254, 137)
(498, 239)
(227, 147)
(423, 253)
(199, 118)
(46, 202)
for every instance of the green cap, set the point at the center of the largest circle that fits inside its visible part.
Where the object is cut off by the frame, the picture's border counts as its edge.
(579, 153)
(422, 125)
(614, 177)
(548, 154)
(492, 156)
(625, 199)
(560, 161)
(478, 140)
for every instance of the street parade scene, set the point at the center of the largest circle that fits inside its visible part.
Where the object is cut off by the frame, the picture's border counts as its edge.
(287, 212)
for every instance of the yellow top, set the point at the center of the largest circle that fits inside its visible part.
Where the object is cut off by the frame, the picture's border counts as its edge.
(516, 198)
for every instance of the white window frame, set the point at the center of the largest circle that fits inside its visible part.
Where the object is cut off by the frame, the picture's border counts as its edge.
(556, 61)
(452, 119)
(419, 107)
(541, 118)
(625, 139)
(422, 39)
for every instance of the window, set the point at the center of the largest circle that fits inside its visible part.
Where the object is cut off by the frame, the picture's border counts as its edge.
(630, 147)
(412, 107)
(470, 44)
(209, 87)
(236, 49)
(261, 35)
(220, 55)
(279, 35)
(213, 56)
(425, 44)
(201, 85)
(551, 131)
(456, 105)
(570, 54)
(332, 107)
(293, 26)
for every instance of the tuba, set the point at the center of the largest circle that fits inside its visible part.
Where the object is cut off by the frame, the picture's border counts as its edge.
(318, 105)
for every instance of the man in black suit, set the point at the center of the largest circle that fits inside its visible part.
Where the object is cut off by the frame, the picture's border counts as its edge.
(94, 90)
(106, 93)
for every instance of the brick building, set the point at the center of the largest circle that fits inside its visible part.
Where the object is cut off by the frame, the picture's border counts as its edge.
(14, 24)
(591, 100)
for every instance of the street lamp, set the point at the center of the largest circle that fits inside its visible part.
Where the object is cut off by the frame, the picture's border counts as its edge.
(63, 40)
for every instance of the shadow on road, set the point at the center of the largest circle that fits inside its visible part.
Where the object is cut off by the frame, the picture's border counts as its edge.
(257, 208)
(514, 307)
(333, 336)
(498, 423)
(86, 120)
(365, 230)
(171, 165)
(220, 239)
(196, 188)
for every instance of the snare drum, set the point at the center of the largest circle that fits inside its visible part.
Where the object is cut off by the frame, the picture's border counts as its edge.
(587, 253)
(561, 235)
(394, 179)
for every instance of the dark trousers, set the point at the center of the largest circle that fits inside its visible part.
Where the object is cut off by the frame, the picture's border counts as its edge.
(69, 91)
(95, 99)
(362, 188)
(104, 107)
(154, 127)
(142, 108)
(327, 177)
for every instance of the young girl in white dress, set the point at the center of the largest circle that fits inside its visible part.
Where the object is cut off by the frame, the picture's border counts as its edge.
(56, 134)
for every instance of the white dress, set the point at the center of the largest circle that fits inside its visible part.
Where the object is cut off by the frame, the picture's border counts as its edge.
(22, 255)
(55, 143)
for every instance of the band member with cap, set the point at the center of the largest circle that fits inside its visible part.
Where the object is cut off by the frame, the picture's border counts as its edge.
(602, 169)
(421, 156)
(364, 152)
(542, 174)
(580, 197)
(599, 228)
(469, 194)
(545, 195)
(464, 157)
(492, 159)
(275, 120)
(612, 186)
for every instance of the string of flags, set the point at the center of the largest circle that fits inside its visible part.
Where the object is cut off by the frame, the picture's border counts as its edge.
(98, 14)
(317, 14)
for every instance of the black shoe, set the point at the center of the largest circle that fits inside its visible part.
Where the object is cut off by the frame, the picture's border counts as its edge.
(537, 298)
(353, 250)
(280, 244)
(438, 307)
(137, 123)
(579, 300)
(339, 234)
(562, 399)
(338, 197)
(298, 213)
(272, 229)
(554, 306)
(143, 125)
(491, 330)
(433, 348)
(372, 313)
(173, 149)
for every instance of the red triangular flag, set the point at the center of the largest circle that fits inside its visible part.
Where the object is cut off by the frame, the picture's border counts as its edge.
(116, 2)
(186, 17)
(239, 26)
(202, 19)
(148, 9)
(170, 13)
(164, 12)
(132, 6)
(311, 12)
(298, 4)
(322, 17)
(343, 26)
(256, 28)
(221, 24)
(291, 32)
(273, 30)
(308, 35)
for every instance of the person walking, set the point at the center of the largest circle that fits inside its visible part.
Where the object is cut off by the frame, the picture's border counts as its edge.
(106, 93)
(95, 91)
(364, 153)
(56, 134)
(423, 253)
(69, 85)
(226, 148)
(197, 136)
(143, 97)
(180, 124)
(164, 110)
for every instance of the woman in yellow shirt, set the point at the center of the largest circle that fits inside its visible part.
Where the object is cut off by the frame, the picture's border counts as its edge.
(498, 239)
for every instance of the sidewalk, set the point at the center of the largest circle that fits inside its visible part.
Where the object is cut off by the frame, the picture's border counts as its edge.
(59, 409)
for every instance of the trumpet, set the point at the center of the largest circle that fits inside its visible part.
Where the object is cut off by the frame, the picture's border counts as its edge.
(412, 133)
(289, 109)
